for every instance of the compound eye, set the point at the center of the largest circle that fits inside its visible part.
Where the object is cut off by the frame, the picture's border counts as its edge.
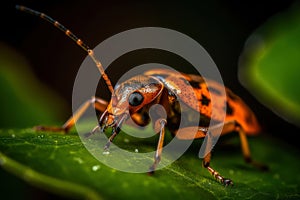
(135, 99)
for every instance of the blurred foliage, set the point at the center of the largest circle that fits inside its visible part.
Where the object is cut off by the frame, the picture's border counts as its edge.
(270, 64)
(24, 100)
(61, 164)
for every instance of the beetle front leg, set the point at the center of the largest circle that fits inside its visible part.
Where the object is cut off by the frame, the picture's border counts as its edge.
(110, 139)
(99, 105)
(116, 130)
(157, 156)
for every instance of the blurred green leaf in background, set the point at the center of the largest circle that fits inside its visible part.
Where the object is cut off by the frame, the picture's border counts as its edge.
(25, 101)
(270, 64)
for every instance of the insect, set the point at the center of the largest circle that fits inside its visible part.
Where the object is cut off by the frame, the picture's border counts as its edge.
(134, 97)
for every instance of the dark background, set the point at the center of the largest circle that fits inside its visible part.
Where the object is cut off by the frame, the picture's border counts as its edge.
(221, 27)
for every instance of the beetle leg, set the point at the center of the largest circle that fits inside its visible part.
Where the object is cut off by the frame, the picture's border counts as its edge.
(159, 148)
(234, 126)
(99, 105)
(110, 139)
(227, 128)
(95, 129)
(214, 173)
(115, 131)
(207, 157)
(246, 150)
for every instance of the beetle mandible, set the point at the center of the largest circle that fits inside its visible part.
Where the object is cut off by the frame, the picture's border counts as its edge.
(134, 97)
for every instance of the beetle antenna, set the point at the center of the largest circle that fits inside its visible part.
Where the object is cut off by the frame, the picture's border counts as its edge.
(78, 41)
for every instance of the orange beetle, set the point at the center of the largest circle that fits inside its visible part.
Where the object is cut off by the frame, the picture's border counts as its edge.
(134, 97)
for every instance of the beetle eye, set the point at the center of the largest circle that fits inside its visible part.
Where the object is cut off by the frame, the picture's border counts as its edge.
(135, 99)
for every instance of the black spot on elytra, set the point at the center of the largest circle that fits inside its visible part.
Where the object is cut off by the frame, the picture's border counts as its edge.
(204, 100)
(214, 90)
(229, 110)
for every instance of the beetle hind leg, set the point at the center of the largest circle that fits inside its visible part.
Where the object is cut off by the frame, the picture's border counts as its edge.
(246, 150)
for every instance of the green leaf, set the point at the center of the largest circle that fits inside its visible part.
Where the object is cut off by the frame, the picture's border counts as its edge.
(61, 164)
(270, 64)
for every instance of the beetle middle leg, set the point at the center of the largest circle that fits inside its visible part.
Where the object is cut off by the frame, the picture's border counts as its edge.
(99, 105)
(227, 128)
(214, 173)
(207, 157)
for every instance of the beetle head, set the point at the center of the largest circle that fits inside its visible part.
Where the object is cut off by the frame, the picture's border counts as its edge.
(131, 96)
